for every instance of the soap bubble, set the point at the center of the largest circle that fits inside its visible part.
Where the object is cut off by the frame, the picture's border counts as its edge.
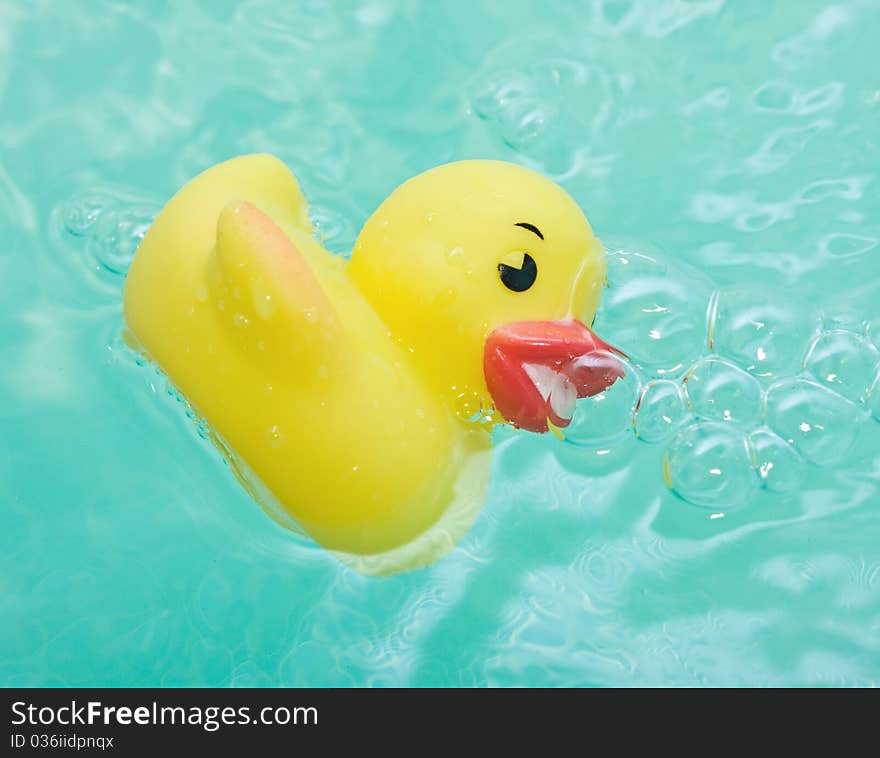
(720, 391)
(607, 416)
(844, 362)
(708, 464)
(659, 320)
(777, 463)
(660, 410)
(759, 329)
(818, 422)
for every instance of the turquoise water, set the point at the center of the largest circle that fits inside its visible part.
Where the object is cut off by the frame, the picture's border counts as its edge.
(729, 155)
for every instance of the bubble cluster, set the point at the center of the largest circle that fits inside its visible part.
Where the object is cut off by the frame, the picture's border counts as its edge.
(744, 392)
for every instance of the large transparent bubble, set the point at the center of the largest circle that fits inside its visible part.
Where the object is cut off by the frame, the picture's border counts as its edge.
(657, 319)
(660, 410)
(606, 417)
(819, 423)
(708, 464)
(760, 330)
(776, 462)
(845, 363)
(721, 391)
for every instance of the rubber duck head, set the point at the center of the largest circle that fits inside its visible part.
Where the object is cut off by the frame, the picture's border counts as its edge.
(488, 273)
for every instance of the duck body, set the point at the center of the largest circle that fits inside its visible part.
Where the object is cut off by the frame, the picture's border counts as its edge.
(263, 332)
(343, 391)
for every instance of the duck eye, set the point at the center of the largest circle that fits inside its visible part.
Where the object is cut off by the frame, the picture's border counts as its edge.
(519, 279)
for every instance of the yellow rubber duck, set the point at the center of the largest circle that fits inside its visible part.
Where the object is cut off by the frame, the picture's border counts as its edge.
(346, 393)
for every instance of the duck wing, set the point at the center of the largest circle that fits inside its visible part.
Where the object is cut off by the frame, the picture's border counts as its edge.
(264, 289)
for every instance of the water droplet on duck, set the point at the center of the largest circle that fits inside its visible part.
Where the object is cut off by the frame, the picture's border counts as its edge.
(263, 305)
(455, 256)
(276, 436)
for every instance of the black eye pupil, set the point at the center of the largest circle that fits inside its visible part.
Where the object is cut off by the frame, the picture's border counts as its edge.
(519, 279)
